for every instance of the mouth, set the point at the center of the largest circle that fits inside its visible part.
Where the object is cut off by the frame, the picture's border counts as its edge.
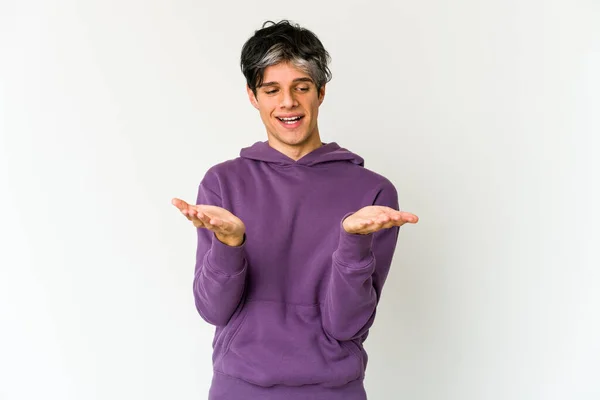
(290, 122)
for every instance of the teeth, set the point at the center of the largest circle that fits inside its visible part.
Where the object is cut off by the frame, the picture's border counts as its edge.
(290, 119)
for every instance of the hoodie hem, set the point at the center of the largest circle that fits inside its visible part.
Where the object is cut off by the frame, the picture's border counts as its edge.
(226, 387)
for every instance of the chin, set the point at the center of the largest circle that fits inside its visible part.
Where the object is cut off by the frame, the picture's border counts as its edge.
(299, 140)
(292, 137)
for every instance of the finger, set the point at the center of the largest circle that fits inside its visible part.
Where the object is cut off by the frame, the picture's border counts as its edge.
(211, 219)
(201, 216)
(195, 221)
(189, 212)
(186, 213)
(191, 215)
(401, 218)
(180, 204)
(207, 220)
(384, 219)
(186, 210)
(198, 223)
(386, 224)
(195, 215)
(219, 225)
(389, 224)
(196, 211)
(410, 218)
(372, 225)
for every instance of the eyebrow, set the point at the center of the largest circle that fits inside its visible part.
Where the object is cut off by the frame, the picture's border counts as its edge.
(277, 83)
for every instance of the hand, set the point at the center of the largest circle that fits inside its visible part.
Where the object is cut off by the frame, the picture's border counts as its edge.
(374, 218)
(228, 228)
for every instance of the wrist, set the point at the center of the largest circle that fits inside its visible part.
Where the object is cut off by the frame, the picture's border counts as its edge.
(348, 230)
(344, 223)
(232, 241)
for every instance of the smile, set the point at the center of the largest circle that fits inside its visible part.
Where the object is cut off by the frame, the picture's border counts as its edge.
(290, 120)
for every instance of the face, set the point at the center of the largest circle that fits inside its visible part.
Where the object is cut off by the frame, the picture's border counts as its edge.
(288, 103)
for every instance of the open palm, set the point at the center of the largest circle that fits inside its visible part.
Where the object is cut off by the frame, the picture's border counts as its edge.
(374, 218)
(224, 224)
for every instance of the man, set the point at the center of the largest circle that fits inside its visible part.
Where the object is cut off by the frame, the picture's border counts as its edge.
(295, 239)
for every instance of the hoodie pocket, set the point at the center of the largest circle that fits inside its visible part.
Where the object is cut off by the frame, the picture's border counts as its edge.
(225, 335)
(274, 343)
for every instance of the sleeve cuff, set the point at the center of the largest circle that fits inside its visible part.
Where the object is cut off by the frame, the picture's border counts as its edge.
(354, 250)
(229, 260)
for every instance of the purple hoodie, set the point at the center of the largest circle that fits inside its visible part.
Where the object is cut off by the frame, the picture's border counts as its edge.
(293, 304)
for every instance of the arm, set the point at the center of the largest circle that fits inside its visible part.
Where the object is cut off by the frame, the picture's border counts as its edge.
(220, 271)
(360, 266)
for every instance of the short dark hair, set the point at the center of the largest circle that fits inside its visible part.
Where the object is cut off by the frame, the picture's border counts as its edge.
(284, 42)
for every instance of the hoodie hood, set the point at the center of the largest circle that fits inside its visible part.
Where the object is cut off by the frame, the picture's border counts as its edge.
(328, 152)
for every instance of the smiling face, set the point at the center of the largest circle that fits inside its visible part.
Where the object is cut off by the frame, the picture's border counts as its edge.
(288, 102)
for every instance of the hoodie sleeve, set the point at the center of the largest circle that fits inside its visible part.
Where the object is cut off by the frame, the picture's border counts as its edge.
(360, 266)
(220, 271)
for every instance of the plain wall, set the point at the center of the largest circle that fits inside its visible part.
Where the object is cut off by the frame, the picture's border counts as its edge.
(484, 114)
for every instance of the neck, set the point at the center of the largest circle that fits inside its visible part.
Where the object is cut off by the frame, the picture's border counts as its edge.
(296, 152)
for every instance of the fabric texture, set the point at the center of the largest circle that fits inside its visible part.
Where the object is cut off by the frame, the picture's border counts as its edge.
(293, 304)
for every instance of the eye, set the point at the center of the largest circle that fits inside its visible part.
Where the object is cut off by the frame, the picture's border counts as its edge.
(271, 91)
(303, 88)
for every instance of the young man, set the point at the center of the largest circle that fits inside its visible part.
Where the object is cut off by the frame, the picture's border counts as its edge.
(295, 239)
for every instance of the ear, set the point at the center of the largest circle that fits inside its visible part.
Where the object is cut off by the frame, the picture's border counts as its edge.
(321, 94)
(252, 97)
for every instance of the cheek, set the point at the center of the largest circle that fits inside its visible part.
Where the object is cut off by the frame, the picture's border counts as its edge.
(266, 109)
(265, 115)
(314, 103)
(314, 107)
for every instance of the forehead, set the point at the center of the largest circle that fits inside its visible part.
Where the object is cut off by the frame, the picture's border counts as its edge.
(283, 73)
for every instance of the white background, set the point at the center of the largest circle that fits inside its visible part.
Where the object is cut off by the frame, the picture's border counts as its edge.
(484, 114)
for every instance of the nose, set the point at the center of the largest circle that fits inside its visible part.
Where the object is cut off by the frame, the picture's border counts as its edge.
(288, 100)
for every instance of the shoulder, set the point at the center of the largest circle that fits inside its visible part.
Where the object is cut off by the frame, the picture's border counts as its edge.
(373, 180)
(226, 166)
(221, 173)
(378, 179)
(382, 190)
